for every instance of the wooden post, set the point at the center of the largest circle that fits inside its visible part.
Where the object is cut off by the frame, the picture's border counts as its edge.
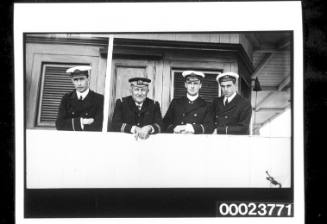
(108, 80)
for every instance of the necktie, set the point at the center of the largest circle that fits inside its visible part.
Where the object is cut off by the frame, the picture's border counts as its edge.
(226, 101)
(80, 98)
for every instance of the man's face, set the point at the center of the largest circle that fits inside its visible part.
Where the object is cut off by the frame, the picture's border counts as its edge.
(228, 88)
(81, 83)
(139, 93)
(193, 86)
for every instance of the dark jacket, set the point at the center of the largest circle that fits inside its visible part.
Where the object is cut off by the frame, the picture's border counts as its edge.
(234, 118)
(182, 111)
(126, 115)
(71, 110)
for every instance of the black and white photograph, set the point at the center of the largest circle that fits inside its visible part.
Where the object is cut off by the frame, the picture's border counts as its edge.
(159, 118)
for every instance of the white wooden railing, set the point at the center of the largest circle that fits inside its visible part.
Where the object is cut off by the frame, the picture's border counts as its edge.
(63, 159)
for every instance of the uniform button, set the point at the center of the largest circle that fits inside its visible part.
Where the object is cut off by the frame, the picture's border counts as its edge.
(182, 122)
(190, 102)
(86, 114)
(195, 115)
(216, 123)
(138, 124)
(183, 115)
(217, 116)
(73, 113)
(226, 117)
(193, 122)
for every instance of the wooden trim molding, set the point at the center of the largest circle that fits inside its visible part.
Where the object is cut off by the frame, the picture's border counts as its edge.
(65, 39)
(186, 46)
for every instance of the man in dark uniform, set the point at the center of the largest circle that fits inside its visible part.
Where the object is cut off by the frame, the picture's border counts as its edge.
(81, 109)
(189, 114)
(136, 113)
(231, 112)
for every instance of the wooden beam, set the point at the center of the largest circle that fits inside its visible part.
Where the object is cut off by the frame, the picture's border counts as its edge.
(254, 40)
(70, 39)
(283, 44)
(264, 100)
(265, 60)
(257, 126)
(284, 84)
(269, 88)
(271, 50)
(272, 109)
(108, 80)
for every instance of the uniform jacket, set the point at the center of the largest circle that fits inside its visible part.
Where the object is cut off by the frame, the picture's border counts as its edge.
(71, 110)
(127, 114)
(182, 111)
(234, 118)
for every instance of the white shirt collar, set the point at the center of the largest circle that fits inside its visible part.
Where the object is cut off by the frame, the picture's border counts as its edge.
(192, 98)
(230, 98)
(138, 104)
(83, 94)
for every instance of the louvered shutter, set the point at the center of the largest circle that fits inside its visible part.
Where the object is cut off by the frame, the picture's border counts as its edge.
(55, 83)
(208, 91)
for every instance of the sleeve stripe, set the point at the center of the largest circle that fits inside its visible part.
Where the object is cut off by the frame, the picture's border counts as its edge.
(158, 126)
(73, 125)
(123, 127)
(202, 128)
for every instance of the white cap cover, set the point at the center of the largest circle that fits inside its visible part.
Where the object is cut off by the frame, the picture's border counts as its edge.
(227, 76)
(81, 68)
(193, 73)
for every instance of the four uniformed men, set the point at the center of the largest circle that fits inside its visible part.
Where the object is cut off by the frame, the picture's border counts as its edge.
(81, 109)
(188, 114)
(137, 114)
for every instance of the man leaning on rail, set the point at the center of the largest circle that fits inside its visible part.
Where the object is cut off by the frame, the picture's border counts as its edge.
(231, 112)
(137, 114)
(189, 114)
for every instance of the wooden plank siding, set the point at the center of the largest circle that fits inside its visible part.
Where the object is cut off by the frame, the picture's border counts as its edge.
(276, 70)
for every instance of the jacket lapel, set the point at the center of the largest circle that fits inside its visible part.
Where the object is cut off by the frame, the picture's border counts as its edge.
(233, 103)
(145, 105)
(88, 97)
(222, 109)
(74, 95)
(73, 100)
(131, 104)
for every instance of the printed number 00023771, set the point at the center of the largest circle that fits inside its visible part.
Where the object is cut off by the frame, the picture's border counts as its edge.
(254, 209)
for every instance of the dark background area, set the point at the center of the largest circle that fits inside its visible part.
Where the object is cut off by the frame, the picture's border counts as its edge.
(315, 108)
(143, 202)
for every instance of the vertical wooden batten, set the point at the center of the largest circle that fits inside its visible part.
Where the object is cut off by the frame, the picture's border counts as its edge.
(108, 80)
